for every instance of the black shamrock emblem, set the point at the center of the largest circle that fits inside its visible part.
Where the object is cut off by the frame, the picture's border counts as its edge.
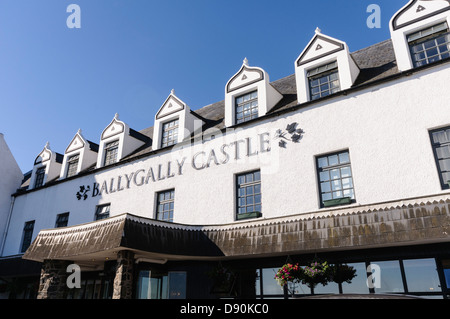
(294, 132)
(83, 192)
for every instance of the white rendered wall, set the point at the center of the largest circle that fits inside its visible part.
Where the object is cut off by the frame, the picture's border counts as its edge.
(11, 178)
(384, 127)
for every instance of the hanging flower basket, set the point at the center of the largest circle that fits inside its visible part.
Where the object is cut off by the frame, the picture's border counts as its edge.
(289, 273)
(316, 273)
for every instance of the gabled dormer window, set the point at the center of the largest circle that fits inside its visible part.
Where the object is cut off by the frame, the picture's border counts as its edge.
(79, 155)
(170, 133)
(323, 80)
(47, 167)
(323, 68)
(118, 140)
(430, 45)
(249, 95)
(246, 107)
(174, 123)
(420, 33)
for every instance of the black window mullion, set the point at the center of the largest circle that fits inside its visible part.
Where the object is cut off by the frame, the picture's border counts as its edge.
(327, 184)
(165, 198)
(441, 145)
(243, 206)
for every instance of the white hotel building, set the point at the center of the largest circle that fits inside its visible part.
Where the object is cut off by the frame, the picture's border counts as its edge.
(346, 160)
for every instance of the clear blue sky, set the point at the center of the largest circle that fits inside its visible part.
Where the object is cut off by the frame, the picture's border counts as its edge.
(129, 54)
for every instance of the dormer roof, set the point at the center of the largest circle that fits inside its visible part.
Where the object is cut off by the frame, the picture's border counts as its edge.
(48, 155)
(318, 47)
(79, 142)
(418, 10)
(245, 76)
(171, 105)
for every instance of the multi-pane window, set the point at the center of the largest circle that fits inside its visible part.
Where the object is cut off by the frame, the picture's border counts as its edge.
(249, 195)
(430, 45)
(111, 151)
(102, 212)
(335, 178)
(440, 139)
(27, 235)
(62, 220)
(323, 80)
(246, 107)
(40, 173)
(169, 133)
(72, 165)
(165, 206)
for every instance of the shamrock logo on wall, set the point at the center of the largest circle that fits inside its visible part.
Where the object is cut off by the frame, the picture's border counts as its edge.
(83, 192)
(291, 133)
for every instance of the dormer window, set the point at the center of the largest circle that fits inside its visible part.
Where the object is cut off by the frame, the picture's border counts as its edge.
(323, 80)
(79, 155)
(174, 123)
(169, 133)
(118, 140)
(72, 165)
(47, 167)
(324, 67)
(248, 95)
(246, 107)
(420, 33)
(40, 174)
(430, 45)
(111, 151)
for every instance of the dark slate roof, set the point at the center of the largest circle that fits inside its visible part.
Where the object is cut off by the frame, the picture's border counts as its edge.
(375, 62)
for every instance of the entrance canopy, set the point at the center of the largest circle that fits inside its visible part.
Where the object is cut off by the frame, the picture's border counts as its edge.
(408, 222)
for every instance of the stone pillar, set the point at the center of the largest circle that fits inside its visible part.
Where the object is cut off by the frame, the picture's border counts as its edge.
(52, 284)
(123, 282)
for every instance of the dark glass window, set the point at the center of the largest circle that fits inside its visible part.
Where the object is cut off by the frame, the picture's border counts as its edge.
(389, 278)
(421, 275)
(72, 165)
(27, 235)
(246, 107)
(165, 206)
(440, 140)
(40, 174)
(335, 178)
(249, 195)
(102, 212)
(323, 81)
(169, 133)
(62, 220)
(111, 151)
(430, 45)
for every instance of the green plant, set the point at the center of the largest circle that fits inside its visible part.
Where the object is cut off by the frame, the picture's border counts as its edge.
(342, 273)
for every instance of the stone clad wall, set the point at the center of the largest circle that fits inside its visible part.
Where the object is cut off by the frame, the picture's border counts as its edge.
(123, 282)
(53, 281)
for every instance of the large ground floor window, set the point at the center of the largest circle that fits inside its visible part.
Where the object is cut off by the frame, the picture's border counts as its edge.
(155, 284)
(424, 277)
